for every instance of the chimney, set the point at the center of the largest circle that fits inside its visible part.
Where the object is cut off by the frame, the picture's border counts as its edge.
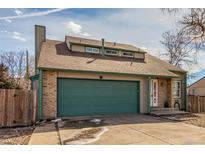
(103, 45)
(40, 37)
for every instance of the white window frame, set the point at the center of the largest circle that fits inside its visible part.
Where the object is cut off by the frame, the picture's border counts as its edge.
(177, 91)
(112, 54)
(127, 55)
(92, 50)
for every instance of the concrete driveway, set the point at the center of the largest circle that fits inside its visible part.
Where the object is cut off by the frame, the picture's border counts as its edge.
(143, 129)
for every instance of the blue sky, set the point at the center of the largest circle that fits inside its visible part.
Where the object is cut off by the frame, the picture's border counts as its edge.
(140, 27)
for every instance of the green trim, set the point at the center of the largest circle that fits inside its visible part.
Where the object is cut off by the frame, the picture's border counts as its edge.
(148, 95)
(34, 77)
(40, 94)
(35, 27)
(138, 100)
(100, 72)
(185, 93)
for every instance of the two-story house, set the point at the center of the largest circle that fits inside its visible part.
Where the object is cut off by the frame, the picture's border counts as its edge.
(82, 77)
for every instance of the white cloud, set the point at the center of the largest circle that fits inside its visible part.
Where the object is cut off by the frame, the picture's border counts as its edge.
(33, 14)
(14, 35)
(18, 36)
(18, 12)
(76, 28)
(8, 20)
(4, 31)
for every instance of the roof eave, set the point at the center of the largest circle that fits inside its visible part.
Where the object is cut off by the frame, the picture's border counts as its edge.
(87, 71)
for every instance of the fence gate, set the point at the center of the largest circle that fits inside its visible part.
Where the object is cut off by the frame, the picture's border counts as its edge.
(17, 107)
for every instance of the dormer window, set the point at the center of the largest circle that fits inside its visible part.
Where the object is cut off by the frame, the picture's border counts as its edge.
(128, 54)
(111, 52)
(92, 50)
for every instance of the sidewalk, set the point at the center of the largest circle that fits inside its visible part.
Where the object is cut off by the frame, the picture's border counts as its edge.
(45, 134)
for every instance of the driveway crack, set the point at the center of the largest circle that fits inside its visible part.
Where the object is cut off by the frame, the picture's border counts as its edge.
(151, 135)
(58, 133)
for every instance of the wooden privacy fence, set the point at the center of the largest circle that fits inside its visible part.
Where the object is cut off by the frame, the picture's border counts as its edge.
(196, 103)
(17, 107)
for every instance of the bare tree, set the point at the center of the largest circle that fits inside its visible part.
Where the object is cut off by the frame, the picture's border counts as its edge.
(17, 65)
(179, 51)
(170, 10)
(192, 23)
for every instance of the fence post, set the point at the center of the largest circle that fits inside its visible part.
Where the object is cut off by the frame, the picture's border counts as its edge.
(198, 104)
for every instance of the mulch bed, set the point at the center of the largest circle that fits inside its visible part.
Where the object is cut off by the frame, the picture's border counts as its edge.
(15, 136)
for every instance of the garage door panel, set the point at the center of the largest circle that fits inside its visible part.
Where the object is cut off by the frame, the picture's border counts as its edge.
(93, 97)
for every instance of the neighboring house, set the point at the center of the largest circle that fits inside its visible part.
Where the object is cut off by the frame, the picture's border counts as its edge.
(81, 77)
(197, 88)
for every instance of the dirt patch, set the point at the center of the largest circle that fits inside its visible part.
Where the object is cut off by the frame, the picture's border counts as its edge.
(15, 136)
(193, 119)
(85, 134)
(81, 124)
(87, 131)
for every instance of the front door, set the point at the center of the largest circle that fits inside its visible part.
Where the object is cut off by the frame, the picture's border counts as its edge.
(154, 93)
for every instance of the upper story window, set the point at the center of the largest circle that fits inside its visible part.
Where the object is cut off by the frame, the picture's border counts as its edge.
(128, 54)
(177, 89)
(92, 50)
(111, 52)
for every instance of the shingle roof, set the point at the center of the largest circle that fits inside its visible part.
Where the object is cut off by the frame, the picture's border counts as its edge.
(98, 43)
(51, 57)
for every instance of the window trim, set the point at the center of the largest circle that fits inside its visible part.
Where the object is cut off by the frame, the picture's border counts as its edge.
(117, 52)
(122, 54)
(87, 51)
(180, 89)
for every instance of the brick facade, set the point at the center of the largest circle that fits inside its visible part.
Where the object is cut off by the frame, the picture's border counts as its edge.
(164, 92)
(49, 94)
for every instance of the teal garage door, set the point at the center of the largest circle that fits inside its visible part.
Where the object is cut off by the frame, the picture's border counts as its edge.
(77, 97)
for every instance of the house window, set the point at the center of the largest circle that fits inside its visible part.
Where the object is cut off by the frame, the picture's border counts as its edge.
(127, 54)
(92, 50)
(177, 89)
(111, 52)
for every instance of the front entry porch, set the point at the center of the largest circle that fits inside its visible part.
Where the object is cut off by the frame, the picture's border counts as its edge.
(156, 111)
(162, 95)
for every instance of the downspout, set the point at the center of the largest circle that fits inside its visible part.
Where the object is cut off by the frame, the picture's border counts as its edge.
(40, 94)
